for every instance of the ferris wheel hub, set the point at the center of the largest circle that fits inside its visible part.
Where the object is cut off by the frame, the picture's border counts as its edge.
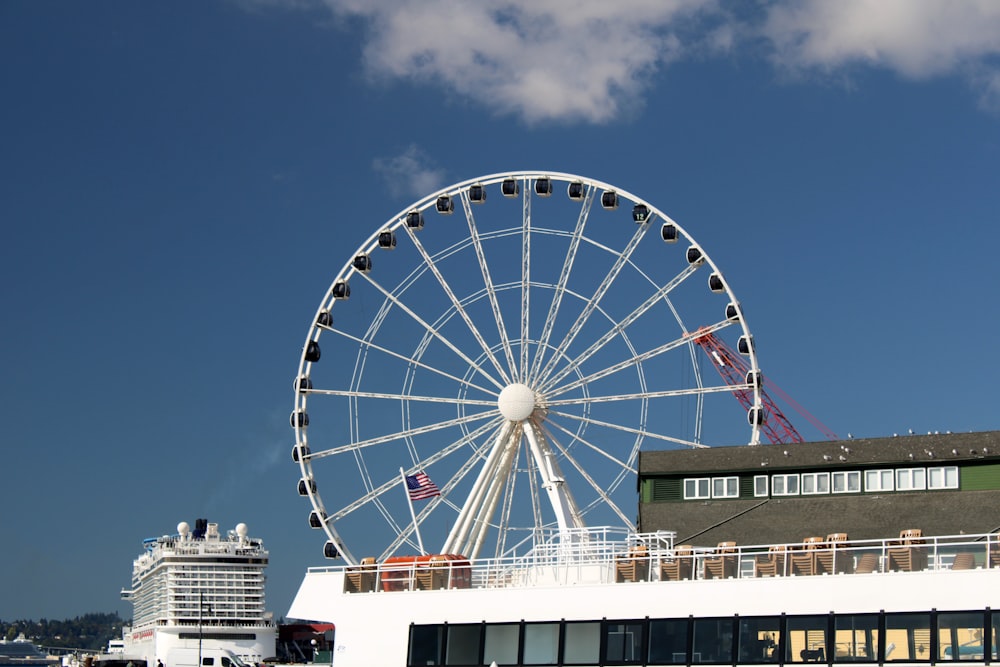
(516, 402)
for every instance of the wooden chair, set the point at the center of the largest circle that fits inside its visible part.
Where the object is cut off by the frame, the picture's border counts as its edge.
(771, 564)
(361, 578)
(723, 564)
(910, 555)
(432, 576)
(867, 563)
(680, 566)
(995, 550)
(633, 566)
(834, 558)
(803, 561)
(964, 561)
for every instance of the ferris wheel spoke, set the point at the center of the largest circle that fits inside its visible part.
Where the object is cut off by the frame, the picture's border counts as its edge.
(602, 494)
(650, 394)
(561, 284)
(484, 269)
(553, 424)
(403, 397)
(522, 370)
(686, 339)
(420, 465)
(605, 284)
(430, 428)
(626, 429)
(620, 326)
(410, 360)
(429, 329)
(457, 305)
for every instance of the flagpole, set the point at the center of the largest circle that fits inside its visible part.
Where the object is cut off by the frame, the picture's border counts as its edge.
(416, 528)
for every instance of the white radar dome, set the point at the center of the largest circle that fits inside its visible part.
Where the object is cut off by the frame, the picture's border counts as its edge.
(241, 529)
(183, 528)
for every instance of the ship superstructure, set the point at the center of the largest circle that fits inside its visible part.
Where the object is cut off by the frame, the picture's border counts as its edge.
(200, 590)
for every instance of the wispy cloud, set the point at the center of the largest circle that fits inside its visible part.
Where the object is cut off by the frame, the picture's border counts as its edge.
(411, 173)
(591, 60)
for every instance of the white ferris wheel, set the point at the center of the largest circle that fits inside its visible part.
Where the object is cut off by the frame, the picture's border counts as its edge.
(517, 338)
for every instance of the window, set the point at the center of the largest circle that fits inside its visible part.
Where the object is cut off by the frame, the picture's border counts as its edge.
(785, 485)
(759, 639)
(668, 642)
(624, 643)
(911, 479)
(855, 638)
(712, 641)
(583, 643)
(426, 644)
(695, 488)
(960, 636)
(847, 481)
(462, 647)
(944, 477)
(541, 643)
(501, 643)
(725, 487)
(815, 482)
(907, 637)
(760, 486)
(878, 480)
(805, 640)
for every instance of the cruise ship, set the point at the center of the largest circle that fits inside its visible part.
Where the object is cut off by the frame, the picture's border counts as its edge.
(198, 599)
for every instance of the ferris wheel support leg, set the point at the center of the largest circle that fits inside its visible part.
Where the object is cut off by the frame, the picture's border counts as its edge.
(566, 511)
(473, 509)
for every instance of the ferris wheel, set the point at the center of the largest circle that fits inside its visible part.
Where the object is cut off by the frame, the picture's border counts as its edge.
(486, 367)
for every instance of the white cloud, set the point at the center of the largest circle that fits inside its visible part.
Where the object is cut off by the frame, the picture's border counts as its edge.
(410, 173)
(917, 39)
(591, 60)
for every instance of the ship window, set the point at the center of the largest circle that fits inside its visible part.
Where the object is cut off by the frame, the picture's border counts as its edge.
(805, 640)
(995, 632)
(501, 643)
(760, 486)
(907, 637)
(207, 661)
(541, 643)
(960, 636)
(878, 480)
(725, 487)
(668, 642)
(785, 485)
(911, 479)
(944, 477)
(696, 487)
(582, 643)
(712, 641)
(856, 638)
(462, 644)
(848, 481)
(624, 643)
(426, 644)
(759, 639)
(815, 482)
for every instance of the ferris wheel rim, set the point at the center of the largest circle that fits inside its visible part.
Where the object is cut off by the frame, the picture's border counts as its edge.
(350, 271)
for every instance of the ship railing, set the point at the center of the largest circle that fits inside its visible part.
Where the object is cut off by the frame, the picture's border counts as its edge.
(607, 556)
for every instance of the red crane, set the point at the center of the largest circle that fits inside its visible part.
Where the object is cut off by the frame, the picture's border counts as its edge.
(737, 373)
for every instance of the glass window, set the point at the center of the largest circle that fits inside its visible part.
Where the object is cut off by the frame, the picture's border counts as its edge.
(878, 480)
(541, 643)
(583, 643)
(668, 642)
(624, 643)
(462, 644)
(815, 482)
(960, 636)
(943, 477)
(805, 639)
(848, 481)
(426, 643)
(726, 487)
(501, 643)
(712, 641)
(855, 638)
(911, 479)
(759, 639)
(696, 488)
(785, 485)
(995, 632)
(907, 637)
(760, 486)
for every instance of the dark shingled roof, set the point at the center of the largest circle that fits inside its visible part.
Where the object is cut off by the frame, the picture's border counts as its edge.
(862, 516)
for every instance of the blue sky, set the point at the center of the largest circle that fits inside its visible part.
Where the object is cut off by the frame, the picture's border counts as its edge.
(179, 183)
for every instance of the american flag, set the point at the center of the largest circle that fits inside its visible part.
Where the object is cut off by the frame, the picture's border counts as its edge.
(420, 486)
